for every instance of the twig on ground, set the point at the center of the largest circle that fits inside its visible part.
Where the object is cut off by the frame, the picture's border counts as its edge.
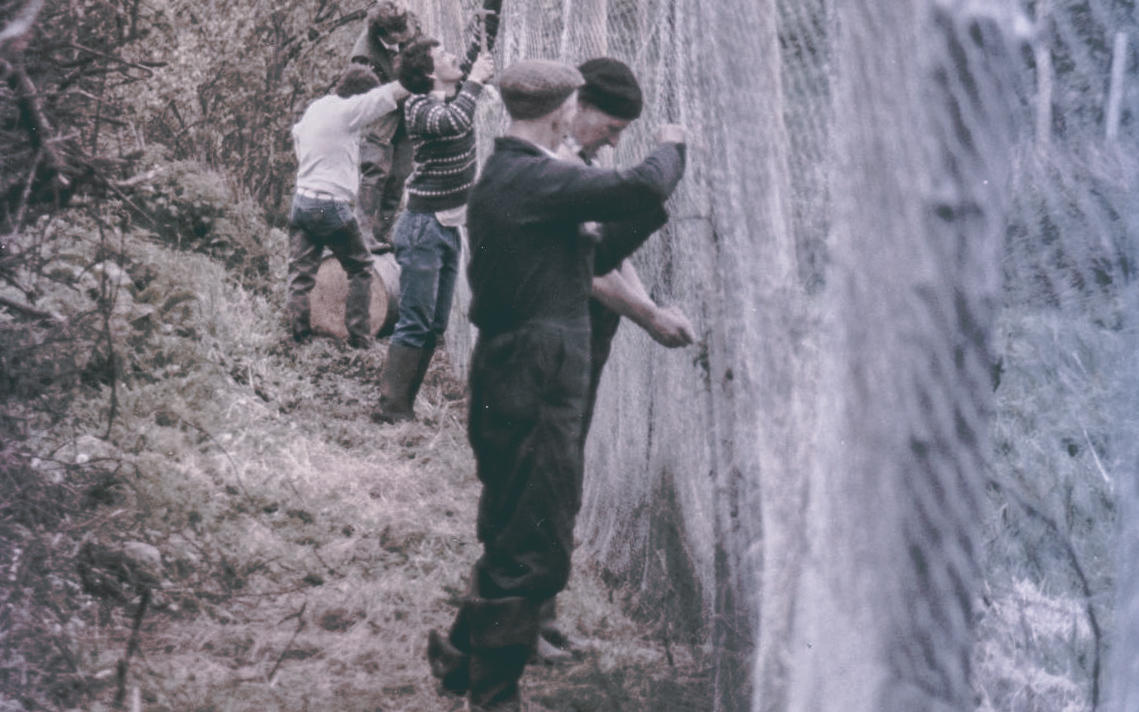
(29, 310)
(299, 615)
(132, 647)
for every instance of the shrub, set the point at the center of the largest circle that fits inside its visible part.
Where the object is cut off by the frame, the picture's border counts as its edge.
(192, 207)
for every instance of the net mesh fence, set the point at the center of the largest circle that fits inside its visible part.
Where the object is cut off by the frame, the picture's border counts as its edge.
(898, 468)
(906, 239)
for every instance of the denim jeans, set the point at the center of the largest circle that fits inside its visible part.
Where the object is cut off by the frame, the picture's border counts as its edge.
(428, 255)
(315, 224)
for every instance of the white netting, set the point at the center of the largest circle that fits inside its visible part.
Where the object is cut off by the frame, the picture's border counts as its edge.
(906, 237)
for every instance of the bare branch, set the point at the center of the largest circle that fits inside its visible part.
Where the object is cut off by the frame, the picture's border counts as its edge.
(28, 310)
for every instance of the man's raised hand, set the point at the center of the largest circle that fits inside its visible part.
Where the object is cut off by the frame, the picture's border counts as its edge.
(482, 71)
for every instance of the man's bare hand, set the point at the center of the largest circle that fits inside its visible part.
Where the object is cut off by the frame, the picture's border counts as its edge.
(482, 71)
(672, 133)
(669, 327)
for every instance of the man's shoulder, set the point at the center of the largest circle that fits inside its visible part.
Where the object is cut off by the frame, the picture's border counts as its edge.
(367, 50)
(569, 152)
(513, 146)
(512, 154)
(323, 104)
(415, 102)
(360, 50)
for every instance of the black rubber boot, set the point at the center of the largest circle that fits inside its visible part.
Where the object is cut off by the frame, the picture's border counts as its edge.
(395, 384)
(425, 355)
(450, 656)
(503, 634)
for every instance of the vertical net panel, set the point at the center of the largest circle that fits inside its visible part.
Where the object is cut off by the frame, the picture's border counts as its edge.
(887, 473)
(1122, 689)
(884, 620)
(639, 498)
(686, 470)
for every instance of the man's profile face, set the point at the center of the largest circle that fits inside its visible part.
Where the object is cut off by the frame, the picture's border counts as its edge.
(447, 67)
(593, 129)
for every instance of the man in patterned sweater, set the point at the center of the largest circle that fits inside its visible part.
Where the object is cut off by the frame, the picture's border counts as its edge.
(440, 123)
(385, 151)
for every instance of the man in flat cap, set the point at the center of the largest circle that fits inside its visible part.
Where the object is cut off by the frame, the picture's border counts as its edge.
(386, 153)
(607, 103)
(531, 272)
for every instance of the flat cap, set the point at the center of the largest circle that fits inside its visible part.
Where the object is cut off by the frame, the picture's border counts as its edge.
(533, 88)
(611, 87)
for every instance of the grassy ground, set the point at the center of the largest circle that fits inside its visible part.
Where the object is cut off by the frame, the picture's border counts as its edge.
(162, 437)
(297, 554)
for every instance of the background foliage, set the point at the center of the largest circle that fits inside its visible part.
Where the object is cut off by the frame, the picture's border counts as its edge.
(194, 513)
(145, 167)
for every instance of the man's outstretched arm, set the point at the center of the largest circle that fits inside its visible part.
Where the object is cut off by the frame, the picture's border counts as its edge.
(623, 292)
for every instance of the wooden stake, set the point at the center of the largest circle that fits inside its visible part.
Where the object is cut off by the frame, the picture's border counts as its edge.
(1115, 92)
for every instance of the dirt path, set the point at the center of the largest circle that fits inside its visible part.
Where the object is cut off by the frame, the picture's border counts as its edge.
(327, 549)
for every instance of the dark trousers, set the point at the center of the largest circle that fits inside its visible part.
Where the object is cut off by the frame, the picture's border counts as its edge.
(313, 225)
(384, 169)
(603, 328)
(528, 396)
(529, 389)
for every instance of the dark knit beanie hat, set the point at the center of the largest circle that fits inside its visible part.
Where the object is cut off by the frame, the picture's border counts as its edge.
(611, 87)
(532, 88)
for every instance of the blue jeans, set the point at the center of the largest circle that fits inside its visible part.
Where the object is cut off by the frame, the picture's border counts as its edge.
(428, 255)
(313, 225)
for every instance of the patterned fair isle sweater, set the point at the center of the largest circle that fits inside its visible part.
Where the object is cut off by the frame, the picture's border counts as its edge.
(443, 140)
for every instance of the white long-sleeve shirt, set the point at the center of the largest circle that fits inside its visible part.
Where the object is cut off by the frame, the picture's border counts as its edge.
(327, 139)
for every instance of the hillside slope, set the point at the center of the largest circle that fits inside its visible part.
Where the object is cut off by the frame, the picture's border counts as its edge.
(208, 519)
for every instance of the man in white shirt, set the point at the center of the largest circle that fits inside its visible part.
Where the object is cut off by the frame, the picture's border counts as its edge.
(327, 142)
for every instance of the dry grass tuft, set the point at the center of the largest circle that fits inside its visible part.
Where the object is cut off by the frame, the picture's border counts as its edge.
(224, 509)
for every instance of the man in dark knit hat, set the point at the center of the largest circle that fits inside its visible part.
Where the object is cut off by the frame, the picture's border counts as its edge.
(608, 101)
(531, 273)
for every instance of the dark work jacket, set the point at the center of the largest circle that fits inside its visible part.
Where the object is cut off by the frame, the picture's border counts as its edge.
(529, 260)
(370, 51)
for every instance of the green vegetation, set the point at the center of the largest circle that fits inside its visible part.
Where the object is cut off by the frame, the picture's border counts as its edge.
(191, 498)
(197, 515)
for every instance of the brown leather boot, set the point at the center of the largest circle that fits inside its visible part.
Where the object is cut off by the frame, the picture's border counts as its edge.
(395, 384)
